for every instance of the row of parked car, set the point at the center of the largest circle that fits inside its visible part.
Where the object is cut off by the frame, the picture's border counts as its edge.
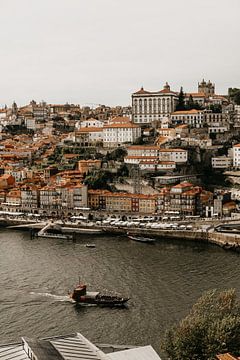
(145, 225)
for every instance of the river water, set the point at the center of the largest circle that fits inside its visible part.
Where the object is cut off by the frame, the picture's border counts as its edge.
(162, 280)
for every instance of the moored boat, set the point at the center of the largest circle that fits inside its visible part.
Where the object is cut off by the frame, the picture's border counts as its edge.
(82, 296)
(54, 236)
(141, 239)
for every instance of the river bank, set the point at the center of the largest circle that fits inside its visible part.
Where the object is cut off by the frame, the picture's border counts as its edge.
(225, 240)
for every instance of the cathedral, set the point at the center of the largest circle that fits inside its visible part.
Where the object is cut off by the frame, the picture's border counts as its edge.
(207, 88)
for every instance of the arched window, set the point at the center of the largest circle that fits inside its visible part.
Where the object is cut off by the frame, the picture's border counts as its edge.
(168, 105)
(135, 106)
(150, 105)
(163, 105)
(145, 106)
(154, 105)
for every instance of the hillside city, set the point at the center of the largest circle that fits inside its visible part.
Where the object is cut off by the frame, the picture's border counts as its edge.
(170, 153)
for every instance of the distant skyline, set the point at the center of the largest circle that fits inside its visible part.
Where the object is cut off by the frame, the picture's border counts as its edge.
(99, 52)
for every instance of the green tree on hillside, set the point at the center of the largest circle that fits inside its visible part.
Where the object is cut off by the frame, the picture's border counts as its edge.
(181, 101)
(98, 180)
(212, 327)
(234, 94)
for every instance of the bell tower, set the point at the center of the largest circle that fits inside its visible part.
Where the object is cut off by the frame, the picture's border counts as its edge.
(207, 88)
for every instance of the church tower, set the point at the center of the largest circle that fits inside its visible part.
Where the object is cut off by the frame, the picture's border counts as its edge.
(207, 88)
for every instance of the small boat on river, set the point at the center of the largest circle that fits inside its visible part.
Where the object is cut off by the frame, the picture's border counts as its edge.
(82, 296)
(141, 239)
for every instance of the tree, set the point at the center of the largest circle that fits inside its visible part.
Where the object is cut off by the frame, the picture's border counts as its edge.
(98, 180)
(116, 155)
(216, 108)
(190, 103)
(212, 327)
(234, 94)
(139, 141)
(181, 101)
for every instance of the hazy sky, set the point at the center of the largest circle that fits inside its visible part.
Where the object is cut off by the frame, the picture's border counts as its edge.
(100, 51)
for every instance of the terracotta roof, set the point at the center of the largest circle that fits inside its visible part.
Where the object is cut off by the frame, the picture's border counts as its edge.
(182, 126)
(201, 94)
(70, 156)
(121, 125)
(186, 112)
(172, 150)
(215, 96)
(89, 129)
(143, 147)
(90, 161)
(142, 91)
(140, 157)
(120, 119)
(226, 356)
(166, 91)
(165, 129)
(143, 161)
(166, 162)
(229, 205)
(192, 192)
(163, 91)
(182, 185)
(237, 145)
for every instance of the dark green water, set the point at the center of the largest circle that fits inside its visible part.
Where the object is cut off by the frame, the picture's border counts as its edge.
(162, 280)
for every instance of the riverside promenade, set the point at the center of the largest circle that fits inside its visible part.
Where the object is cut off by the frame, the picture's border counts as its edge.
(228, 241)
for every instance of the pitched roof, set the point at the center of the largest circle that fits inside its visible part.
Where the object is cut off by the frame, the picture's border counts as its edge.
(121, 125)
(172, 150)
(186, 112)
(167, 91)
(199, 94)
(142, 91)
(182, 185)
(143, 147)
(89, 129)
(226, 356)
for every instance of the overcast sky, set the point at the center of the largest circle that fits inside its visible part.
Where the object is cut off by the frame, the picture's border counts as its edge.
(100, 51)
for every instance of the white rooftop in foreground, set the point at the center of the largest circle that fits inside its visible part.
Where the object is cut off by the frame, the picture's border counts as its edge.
(70, 347)
(140, 353)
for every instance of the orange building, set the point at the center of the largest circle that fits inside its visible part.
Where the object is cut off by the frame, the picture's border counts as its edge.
(84, 166)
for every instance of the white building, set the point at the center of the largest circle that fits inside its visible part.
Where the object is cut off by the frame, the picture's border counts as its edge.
(143, 150)
(217, 129)
(156, 165)
(236, 156)
(148, 107)
(221, 162)
(175, 155)
(91, 134)
(91, 123)
(193, 118)
(118, 132)
(30, 123)
(137, 159)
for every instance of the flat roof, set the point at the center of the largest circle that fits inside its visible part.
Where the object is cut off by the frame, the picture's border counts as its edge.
(141, 353)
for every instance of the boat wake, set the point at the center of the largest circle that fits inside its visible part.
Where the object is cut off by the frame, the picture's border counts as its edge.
(64, 298)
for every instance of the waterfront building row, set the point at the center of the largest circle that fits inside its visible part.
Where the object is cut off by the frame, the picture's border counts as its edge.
(64, 199)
